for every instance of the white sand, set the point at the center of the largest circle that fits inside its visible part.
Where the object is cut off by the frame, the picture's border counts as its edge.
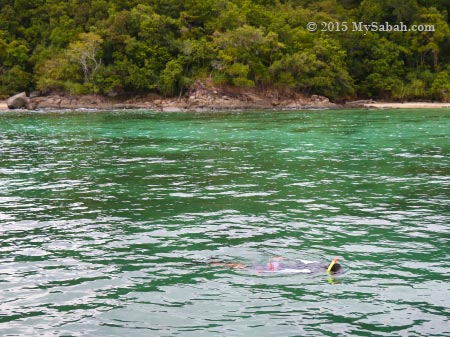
(407, 105)
(3, 106)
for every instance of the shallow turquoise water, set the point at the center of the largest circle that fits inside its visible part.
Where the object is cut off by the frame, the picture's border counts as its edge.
(106, 220)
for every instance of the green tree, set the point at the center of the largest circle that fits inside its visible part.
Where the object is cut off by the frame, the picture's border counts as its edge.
(55, 71)
(320, 69)
(13, 62)
(14, 80)
(230, 17)
(430, 42)
(85, 52)
(170, 78)
(441, 86)
(251, 50)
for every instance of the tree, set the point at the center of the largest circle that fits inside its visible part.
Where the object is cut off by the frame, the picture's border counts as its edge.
(170, 77)
(430, 41)
(85, 52)
(246, 53)
(14, 80)
(319, 69)
(56, 71)
(441, 86)
(14, 58)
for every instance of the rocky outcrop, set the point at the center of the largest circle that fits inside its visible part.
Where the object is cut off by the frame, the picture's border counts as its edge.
(202, 96)
(19, 101)
(207, 97)
(72, 102)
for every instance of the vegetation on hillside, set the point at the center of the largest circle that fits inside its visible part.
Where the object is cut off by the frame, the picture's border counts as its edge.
(163, 46)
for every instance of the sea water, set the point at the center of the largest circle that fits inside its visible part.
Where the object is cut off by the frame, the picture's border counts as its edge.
(108, 219)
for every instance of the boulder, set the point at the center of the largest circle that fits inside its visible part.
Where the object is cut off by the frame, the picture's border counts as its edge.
(18, 101)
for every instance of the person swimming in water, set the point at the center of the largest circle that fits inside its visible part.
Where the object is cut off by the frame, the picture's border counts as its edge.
(281, 265)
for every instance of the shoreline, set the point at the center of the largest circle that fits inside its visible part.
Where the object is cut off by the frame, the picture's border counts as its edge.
(206, 100)
(199, 98)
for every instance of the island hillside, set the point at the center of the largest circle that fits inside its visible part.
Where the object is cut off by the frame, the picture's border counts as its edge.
(173, 48)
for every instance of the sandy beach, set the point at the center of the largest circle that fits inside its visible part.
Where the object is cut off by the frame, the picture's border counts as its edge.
(3, 106)
(407, 105)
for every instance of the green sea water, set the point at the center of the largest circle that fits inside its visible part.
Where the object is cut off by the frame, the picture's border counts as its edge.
(107, 220)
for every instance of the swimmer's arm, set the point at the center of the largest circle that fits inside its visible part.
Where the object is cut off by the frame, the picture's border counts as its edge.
(229, 265)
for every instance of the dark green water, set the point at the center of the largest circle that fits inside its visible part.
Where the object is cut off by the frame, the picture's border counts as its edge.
(104, 216)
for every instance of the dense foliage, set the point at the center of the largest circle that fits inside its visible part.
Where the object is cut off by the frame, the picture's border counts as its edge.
(163, 46)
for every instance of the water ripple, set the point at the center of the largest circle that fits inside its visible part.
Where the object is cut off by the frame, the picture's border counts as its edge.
(107, 221)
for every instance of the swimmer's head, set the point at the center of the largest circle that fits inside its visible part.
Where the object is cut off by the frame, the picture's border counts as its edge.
(334, 266)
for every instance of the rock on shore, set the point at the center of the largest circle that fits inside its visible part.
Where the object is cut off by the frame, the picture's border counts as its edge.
(203, 97)
(19, 101)
(200, 97)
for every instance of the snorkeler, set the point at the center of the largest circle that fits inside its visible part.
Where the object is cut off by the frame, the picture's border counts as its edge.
(281, 265)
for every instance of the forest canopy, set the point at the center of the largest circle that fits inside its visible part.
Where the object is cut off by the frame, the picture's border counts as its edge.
(163, 46)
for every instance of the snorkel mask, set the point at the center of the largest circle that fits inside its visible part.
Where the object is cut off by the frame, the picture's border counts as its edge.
(330, 267)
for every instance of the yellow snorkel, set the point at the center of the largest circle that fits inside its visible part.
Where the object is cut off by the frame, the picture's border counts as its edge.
(331, 265)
